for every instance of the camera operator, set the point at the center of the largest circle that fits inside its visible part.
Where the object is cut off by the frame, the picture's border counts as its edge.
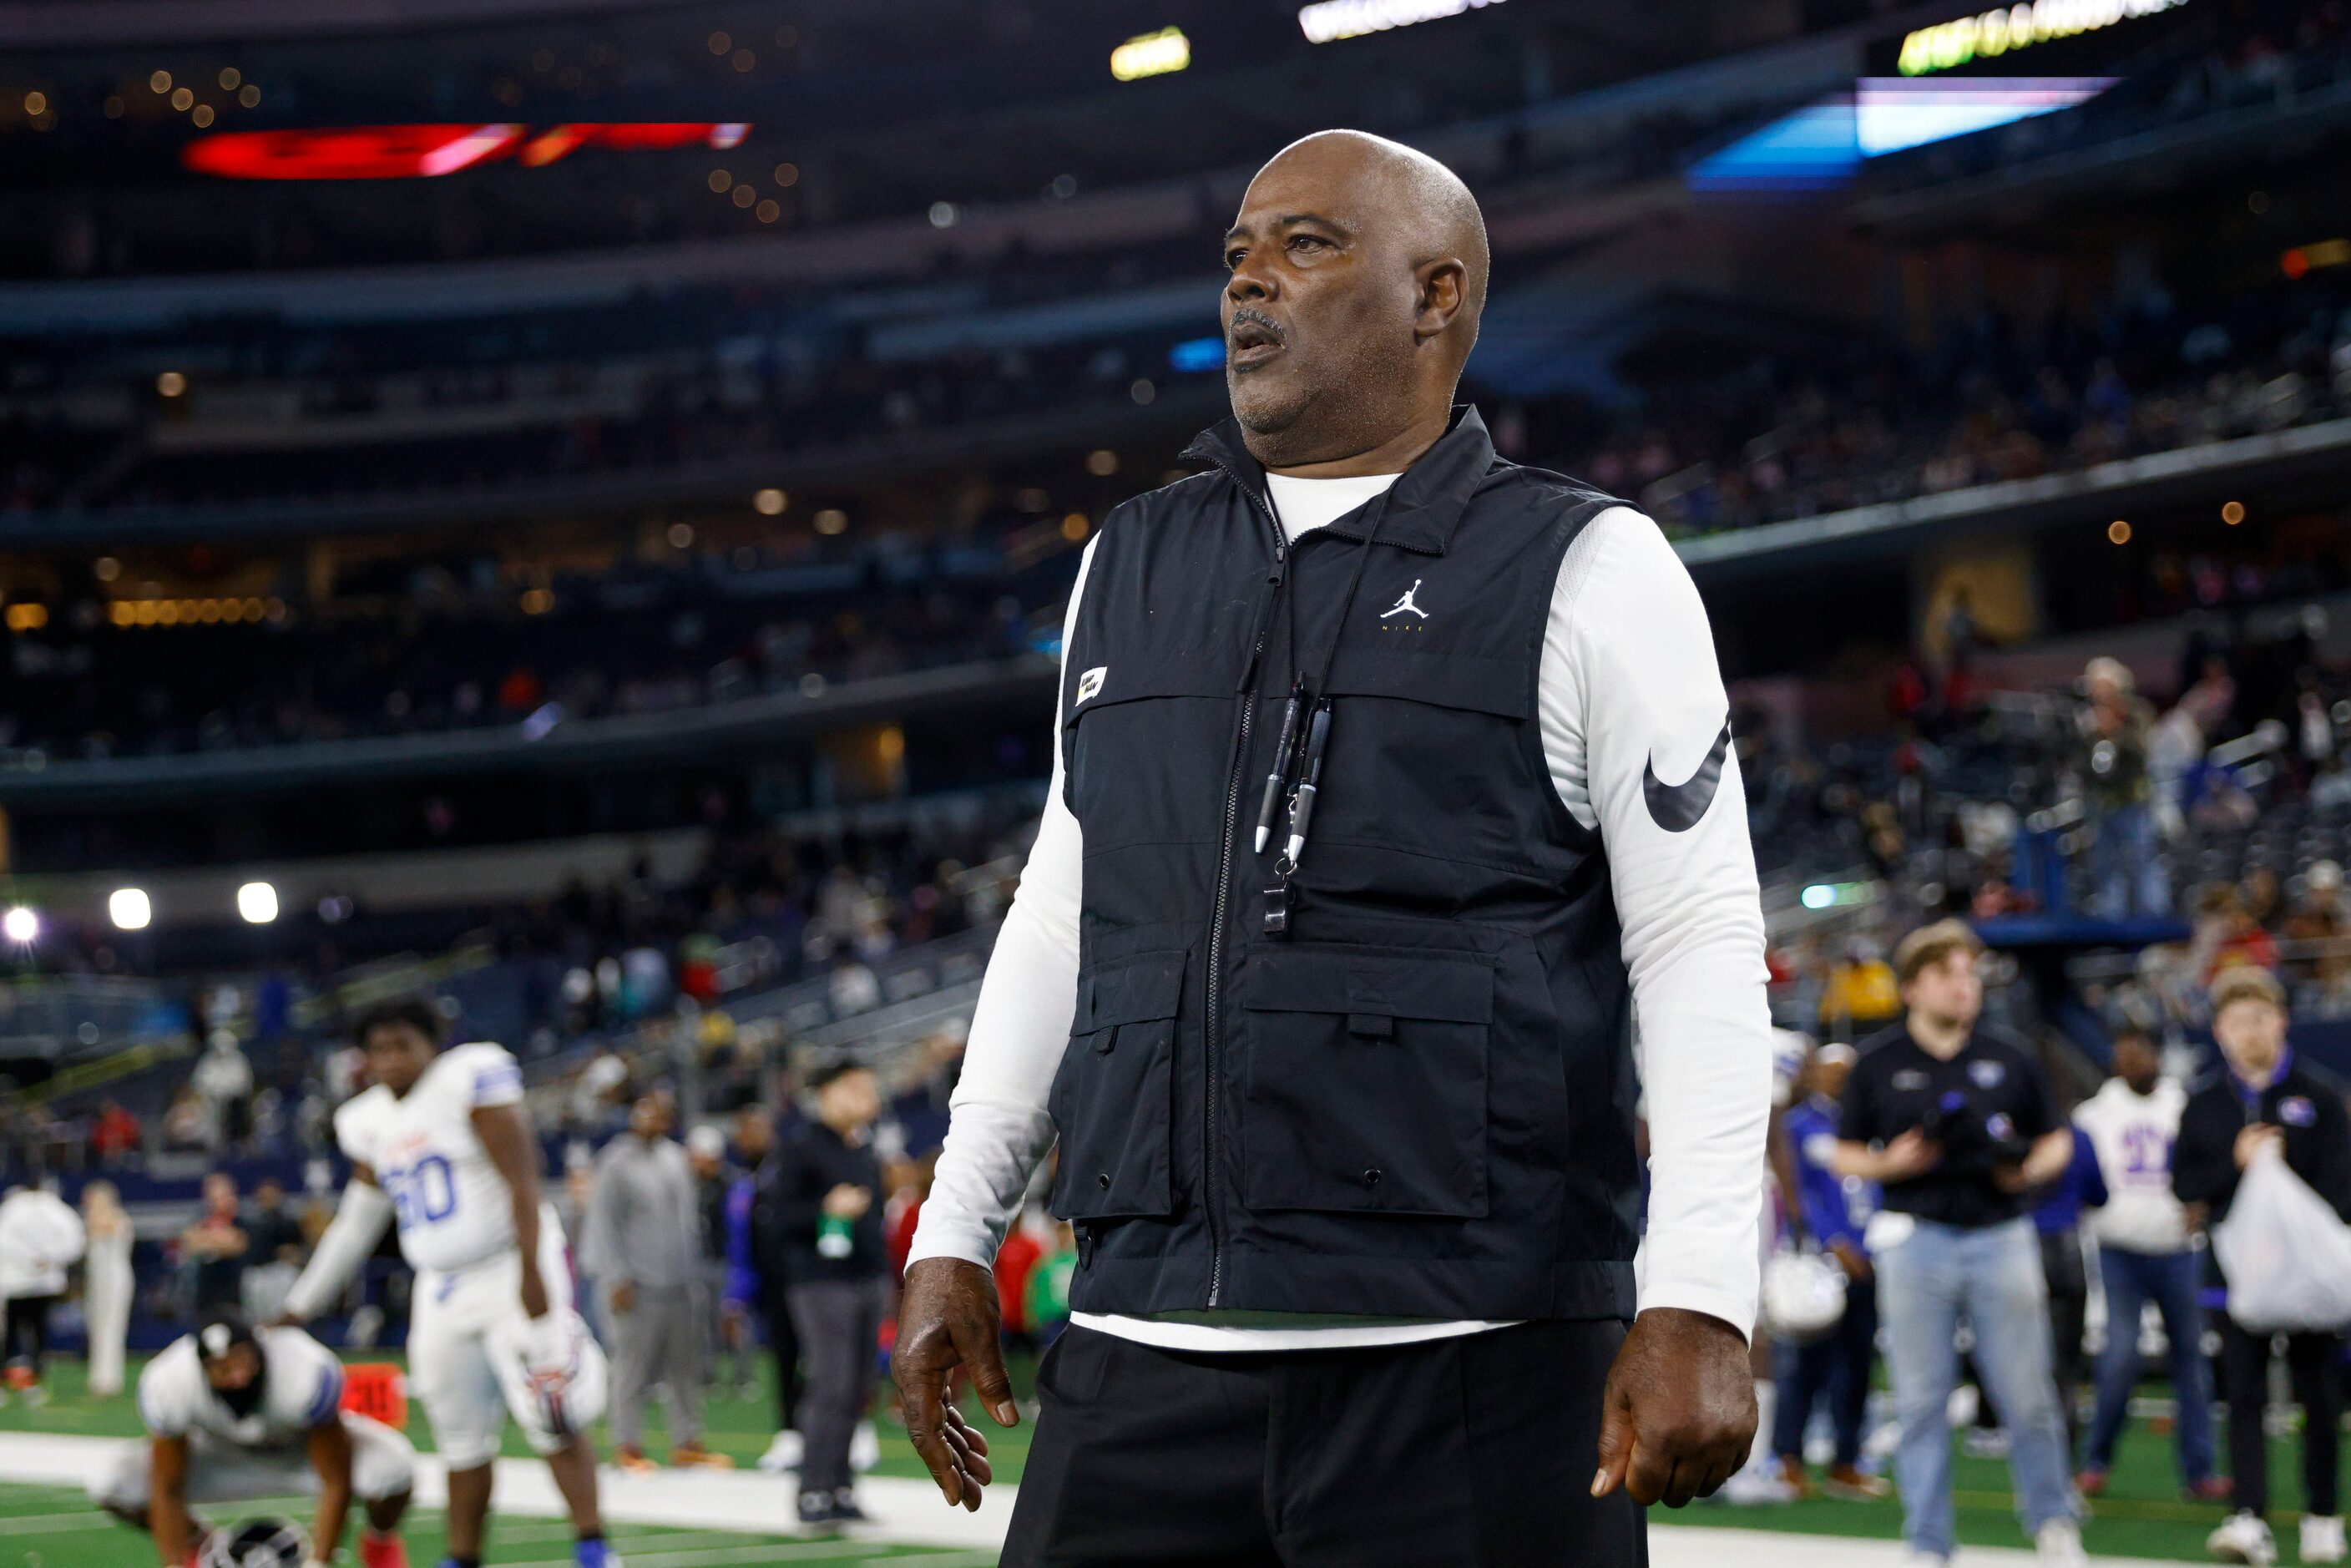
(1956, 1124)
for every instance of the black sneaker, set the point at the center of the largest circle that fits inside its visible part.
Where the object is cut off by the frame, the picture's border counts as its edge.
(831, 1508)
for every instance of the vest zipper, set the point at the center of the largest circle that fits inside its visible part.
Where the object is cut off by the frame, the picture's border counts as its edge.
(1210, 1189)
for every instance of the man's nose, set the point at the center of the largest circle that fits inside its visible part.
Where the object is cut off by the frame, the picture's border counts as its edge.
(1248, 282)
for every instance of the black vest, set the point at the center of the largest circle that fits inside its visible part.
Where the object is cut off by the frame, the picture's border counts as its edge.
(1419, 1101)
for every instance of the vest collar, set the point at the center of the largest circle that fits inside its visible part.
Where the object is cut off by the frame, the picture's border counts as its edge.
(1423, 507)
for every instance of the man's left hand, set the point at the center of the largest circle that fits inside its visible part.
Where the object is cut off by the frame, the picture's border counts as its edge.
(1677, 1416)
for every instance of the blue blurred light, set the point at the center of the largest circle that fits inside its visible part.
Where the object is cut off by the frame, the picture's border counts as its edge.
(1891, 114)
(1820, 895)
(1198, 354)
(1813, 148)
(1823, 144)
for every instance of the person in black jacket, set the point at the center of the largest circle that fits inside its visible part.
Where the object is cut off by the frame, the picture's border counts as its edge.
(2267, 1098)
(754, 1141)
(828, 1191)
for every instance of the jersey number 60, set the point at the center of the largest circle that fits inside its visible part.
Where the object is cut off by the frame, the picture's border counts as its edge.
(425, 1193)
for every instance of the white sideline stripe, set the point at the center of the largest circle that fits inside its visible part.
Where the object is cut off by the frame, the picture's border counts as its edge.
(909, 1512)
(802, 1552)
(1688, 1546)
(906, 1511)
(52, 1523)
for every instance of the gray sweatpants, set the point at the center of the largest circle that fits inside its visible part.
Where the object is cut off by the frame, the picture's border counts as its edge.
(840, 1326)
(658, 1340)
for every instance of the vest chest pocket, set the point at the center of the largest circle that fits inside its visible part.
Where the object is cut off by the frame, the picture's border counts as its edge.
(1111, 1100)
(1367, 1087)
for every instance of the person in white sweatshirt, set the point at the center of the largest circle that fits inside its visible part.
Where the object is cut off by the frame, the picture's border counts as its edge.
(2144, 1256)
(40, 1238)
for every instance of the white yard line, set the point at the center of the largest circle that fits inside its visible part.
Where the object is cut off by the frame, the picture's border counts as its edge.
(714, 1503)
(52, 1523)
(788, 1551)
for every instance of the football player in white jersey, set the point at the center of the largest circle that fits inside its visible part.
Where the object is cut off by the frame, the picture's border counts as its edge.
(233, 1415)
(441, 1144)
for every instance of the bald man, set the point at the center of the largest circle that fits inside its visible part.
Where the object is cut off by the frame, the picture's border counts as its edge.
(1391, 785)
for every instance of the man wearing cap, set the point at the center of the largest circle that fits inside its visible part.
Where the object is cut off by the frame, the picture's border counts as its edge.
(828, 1211)
(234, 1415)
(2267, 1102)
(1956, 1125)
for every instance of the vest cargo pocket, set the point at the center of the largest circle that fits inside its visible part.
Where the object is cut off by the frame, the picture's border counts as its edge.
(1366, 1089)
(1111, 1100)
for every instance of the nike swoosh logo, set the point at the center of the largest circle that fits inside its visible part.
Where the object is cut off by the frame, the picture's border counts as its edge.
(1678, 806)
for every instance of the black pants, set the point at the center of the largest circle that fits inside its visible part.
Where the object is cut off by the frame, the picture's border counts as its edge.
(784, 1340)
(2311, 1364)
(2069, 1307)
(1472, 1452)
(1837, 1369)
(26, 1337)
(840, 1326)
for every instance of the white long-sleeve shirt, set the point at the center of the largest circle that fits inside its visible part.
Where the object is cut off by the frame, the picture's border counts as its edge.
(1628, 676)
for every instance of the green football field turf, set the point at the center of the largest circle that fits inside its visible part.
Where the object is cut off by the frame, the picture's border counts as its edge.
(2142, 1514)
(55, 1527)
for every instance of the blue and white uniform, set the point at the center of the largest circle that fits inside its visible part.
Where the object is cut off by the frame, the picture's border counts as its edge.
(264, 1452)
(473, 1355)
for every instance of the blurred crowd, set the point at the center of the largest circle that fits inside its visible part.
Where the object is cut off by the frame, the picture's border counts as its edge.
(1993, 399)
(576, 984)
(432, 644)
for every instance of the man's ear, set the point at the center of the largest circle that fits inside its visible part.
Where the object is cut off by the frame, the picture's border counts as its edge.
(1443, 287)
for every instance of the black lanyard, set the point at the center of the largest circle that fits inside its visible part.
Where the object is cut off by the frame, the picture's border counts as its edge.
(1305, 735)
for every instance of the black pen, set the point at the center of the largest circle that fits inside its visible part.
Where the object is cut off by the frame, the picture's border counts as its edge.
(1275, 779)
(1301, 805)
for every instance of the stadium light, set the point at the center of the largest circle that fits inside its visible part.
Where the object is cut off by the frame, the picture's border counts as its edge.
(257, 903)
(2006, 28)
(21, 925)
(1328, 21)
(1150, 55)
(130, 909)
(1820, 895)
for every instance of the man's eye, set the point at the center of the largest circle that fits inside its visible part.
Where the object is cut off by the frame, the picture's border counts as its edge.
(1233, 258)
(1299, 242)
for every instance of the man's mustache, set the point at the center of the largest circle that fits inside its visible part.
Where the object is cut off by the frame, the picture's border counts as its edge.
(1255, 318)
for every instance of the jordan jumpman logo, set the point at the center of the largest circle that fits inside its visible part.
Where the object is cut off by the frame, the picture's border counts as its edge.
(1401, 605)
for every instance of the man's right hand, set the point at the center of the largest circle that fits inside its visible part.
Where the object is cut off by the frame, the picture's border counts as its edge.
(2256, 1137)
(625, 1296)
(848, 1201)
(948, 1318)
(1908, 1155)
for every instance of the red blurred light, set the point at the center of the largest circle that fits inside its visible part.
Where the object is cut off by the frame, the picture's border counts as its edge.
(2294, 263)
(358, 152)
(422, 151)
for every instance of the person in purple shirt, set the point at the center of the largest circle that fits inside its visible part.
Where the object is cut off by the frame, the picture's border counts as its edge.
(1832, 1210)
